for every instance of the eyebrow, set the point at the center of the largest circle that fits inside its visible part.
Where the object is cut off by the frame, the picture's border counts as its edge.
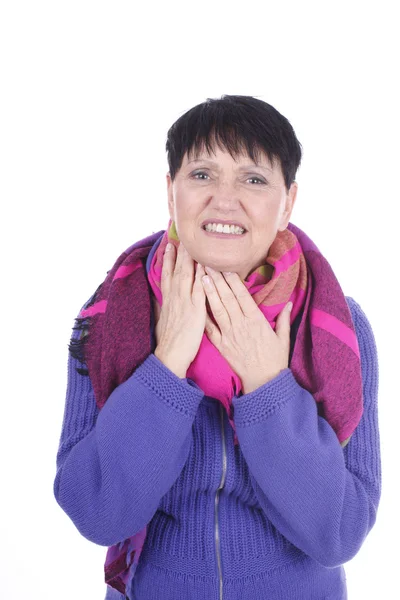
(242, 168)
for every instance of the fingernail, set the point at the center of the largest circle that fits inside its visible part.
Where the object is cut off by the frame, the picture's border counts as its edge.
(290, 306)
(168, 248)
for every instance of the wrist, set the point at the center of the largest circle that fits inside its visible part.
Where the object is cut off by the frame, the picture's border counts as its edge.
(251, 385)
(169, 363)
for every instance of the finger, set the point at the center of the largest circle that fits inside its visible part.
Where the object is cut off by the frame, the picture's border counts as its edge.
(210, 326)
(167, 270)
(176, 267)
(226, 295)
(178, 259)
(186, 274)
(198, 288)
(217, 308)
(212, 331)
(244, 298)
(177, 274)
(282, 327)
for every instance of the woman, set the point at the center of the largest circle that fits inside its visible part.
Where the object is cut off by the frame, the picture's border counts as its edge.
(229, 443)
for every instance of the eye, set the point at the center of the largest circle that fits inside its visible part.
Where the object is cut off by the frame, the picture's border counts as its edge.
(198, 173)
(258, 179)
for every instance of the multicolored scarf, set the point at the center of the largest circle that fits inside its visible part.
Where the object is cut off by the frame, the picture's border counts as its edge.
(325, 359)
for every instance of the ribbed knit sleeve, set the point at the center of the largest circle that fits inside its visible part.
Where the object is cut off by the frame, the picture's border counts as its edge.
(114, 465)
(323, 498)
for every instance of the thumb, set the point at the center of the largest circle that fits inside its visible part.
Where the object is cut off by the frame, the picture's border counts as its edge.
(282, 327)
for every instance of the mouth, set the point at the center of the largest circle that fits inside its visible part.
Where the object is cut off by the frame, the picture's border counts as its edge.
(221, 234)
(223, 223)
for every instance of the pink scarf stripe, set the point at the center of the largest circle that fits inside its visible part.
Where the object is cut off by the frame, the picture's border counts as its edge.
(254, 289)
(271, 312)
(347, 336)
(286, 260)
(124, 271)
(98, 307)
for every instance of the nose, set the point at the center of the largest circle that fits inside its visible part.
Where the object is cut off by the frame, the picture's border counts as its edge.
(225, 195)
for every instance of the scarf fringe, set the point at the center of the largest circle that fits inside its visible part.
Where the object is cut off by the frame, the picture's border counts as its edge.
(76, 347)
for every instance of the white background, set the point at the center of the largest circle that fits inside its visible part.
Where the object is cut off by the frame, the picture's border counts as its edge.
(88, 92)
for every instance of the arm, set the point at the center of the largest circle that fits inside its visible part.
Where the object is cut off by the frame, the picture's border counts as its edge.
(114, 465)
(323, 498)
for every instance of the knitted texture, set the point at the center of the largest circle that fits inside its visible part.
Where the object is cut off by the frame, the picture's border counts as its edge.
(294, 507)
(324, 355)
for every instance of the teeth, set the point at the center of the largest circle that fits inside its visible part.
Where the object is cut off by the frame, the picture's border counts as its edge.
(213, 227)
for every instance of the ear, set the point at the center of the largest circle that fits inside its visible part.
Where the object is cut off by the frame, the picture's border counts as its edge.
(289, 205)
(170, 197)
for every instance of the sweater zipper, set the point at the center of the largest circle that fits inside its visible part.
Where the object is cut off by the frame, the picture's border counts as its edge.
(221, 485)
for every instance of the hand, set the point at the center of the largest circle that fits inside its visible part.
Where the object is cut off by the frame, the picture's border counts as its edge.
(242, 334)
(180, 328)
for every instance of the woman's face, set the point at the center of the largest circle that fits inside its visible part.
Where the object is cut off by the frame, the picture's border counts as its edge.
(217, 187)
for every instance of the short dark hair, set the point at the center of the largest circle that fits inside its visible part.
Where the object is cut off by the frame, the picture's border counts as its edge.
(236, 123)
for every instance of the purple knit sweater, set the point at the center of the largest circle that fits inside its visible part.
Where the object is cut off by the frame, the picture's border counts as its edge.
(274, 518)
